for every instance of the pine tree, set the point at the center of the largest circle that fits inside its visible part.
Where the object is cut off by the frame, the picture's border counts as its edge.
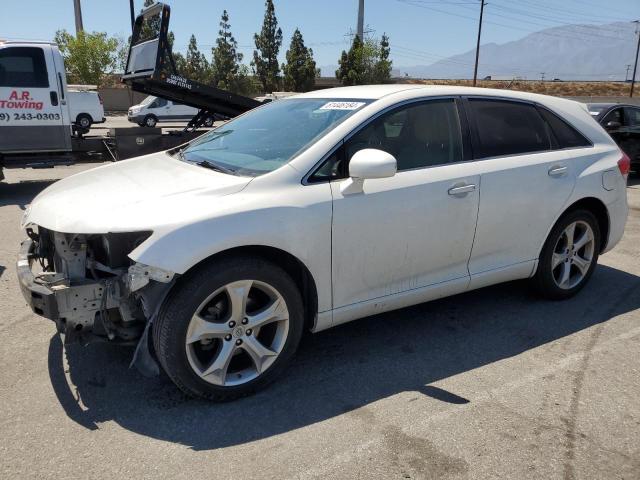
(351, 70)
(268, 43)
(300, 71)
(226, 59)
(197, 67)
(366, 62)
(383, 65)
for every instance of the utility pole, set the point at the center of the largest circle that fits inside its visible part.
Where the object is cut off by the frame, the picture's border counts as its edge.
(626, 76)
(78, 13)
(635, 64)
(133, 16)
(475, 70)
(361, 20)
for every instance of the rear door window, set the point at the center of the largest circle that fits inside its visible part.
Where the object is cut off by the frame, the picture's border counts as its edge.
(508, 128)
(23, 67)
(565, 135)
(632, 117)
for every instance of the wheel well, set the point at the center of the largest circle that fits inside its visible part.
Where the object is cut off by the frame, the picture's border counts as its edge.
(80, 115)
(294, 267)
(599, 210)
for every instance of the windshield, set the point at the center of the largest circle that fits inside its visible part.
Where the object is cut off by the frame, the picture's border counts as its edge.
(270, 136)
(148, 100)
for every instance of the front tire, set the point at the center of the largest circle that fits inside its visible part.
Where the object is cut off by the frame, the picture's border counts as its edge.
(229, 328)
(569, 255)
(150, 121)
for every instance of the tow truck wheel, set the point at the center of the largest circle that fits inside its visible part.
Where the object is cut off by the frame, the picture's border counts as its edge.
(84, 120)
(208, 122)
(229, 328)
(150, 121)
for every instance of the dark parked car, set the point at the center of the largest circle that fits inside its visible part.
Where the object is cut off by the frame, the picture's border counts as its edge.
(623, 124)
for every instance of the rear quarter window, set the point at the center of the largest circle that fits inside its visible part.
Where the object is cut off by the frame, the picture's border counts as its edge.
(508, 128)
(565, 135)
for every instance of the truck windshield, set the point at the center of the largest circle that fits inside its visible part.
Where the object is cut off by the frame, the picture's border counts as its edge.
(270, 136)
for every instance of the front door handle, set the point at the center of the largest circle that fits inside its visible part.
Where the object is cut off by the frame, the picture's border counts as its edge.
(463, 189)
(557, 170)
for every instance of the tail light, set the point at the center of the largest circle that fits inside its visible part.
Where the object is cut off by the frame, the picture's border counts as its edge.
(100, 98)
(624, 164)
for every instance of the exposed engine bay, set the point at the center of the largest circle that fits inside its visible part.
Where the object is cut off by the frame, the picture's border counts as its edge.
(89, 286)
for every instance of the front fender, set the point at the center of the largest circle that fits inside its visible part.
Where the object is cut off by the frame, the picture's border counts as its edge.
(303, 231)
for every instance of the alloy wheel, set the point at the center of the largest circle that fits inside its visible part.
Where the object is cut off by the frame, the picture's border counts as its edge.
(237, 333)
(573, 255)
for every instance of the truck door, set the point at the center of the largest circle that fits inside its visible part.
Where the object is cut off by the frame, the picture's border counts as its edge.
(32, 117)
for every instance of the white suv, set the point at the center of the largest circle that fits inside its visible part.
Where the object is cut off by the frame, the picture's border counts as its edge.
(316, 210)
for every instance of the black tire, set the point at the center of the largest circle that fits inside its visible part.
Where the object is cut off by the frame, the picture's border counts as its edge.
(208, 122)
(544, 279)
(150, 121)
(84, 121)
(170, 329)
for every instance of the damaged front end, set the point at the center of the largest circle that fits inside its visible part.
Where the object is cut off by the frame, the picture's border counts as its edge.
(88, 286)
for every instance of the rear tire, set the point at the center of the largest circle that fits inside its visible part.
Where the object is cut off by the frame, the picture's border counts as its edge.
(84, 120)
(208, 122)
(229, 328)
(569, 255)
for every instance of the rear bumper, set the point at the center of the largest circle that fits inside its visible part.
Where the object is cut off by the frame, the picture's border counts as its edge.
(618, 212)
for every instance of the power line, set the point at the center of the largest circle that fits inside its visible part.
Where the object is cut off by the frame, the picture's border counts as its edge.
(573, 15)
(585, 2)
(591, 33)
(415, 3)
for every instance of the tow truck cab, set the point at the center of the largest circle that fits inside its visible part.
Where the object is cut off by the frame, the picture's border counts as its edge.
(33, 93)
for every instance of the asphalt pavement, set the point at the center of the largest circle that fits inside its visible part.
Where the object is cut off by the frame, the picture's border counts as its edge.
(495, 383)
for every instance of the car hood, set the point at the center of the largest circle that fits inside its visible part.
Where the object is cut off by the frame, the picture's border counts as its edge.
(132, 195)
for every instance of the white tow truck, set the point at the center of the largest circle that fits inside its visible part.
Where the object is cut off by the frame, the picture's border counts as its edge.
(37, 119)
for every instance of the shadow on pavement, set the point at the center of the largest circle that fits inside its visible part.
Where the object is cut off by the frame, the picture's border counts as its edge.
(22, 193)
(341, 369)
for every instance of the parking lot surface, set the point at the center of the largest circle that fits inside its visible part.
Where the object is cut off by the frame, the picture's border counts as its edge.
(495, 383)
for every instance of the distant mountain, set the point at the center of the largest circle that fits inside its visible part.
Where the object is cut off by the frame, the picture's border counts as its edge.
(574, 52)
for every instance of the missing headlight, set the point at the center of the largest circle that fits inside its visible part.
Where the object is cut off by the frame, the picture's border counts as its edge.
(112, 249)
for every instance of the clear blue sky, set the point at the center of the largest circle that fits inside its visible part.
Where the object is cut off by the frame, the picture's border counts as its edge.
(421, 31)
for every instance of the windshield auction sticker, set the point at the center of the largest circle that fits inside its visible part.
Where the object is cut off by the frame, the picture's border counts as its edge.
(342, 106)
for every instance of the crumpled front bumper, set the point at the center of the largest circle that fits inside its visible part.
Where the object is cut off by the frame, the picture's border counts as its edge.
(73, 308)
(40, 298)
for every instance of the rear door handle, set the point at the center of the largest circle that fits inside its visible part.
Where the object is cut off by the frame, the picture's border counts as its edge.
(462, 189)
(54, 98)
(557, 170)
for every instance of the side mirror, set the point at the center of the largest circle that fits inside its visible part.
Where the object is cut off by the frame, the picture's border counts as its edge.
(372, 163)
(613, 125)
